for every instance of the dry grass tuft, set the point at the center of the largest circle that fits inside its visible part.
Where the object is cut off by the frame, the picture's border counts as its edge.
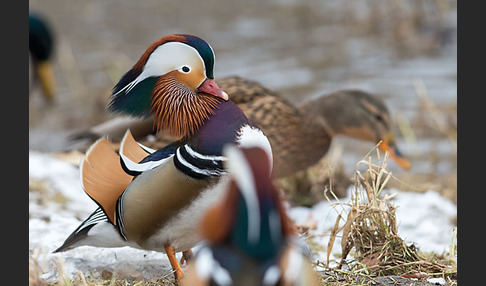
(370, 229)
(371, 222)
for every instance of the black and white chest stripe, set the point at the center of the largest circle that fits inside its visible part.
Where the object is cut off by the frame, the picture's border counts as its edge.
(188, 161)
(197, 165)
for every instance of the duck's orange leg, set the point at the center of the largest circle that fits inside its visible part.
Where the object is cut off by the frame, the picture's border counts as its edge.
(179, 274)
(186, 256)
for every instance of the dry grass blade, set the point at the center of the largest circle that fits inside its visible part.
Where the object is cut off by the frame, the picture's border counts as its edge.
(332, 238)
(346, 243)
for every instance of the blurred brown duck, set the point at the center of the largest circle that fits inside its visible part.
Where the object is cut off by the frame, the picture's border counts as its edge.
(300, 135)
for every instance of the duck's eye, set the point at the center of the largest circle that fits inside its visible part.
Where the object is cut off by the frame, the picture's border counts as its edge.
(186, 69)
(378, 117)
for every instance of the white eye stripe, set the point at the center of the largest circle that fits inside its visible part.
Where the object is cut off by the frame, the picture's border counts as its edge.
(166, 58)
(171, 56)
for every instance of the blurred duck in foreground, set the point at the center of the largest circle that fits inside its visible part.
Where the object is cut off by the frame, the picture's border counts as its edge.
(154, 199)
(300, 135)
(41, 48)
(249, 239)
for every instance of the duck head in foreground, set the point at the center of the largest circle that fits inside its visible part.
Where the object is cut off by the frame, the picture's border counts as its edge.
(153, 199)
(248, 234)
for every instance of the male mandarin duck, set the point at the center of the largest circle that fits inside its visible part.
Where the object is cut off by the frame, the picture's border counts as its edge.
(300, 135)
(153, 199)
(41, 47)
(249, 239)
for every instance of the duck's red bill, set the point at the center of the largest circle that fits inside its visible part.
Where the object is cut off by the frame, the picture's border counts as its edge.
(209, 86)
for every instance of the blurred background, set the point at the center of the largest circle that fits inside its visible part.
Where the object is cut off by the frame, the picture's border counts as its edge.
(402, 51)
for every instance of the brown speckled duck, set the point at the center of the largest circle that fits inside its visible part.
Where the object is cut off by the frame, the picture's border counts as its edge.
(300, 135)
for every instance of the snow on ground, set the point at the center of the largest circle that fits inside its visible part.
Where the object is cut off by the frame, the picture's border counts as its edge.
(56, 209)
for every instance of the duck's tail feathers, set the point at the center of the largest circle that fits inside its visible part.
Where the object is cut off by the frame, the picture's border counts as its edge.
(81, 232)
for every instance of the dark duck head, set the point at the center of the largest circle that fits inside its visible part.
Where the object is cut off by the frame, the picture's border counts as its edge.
(41, 48)
(172, 81)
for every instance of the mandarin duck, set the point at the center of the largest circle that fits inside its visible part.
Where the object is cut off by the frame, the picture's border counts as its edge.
(300, 135)
(153, 199)
(248, 236)
(41, 47)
